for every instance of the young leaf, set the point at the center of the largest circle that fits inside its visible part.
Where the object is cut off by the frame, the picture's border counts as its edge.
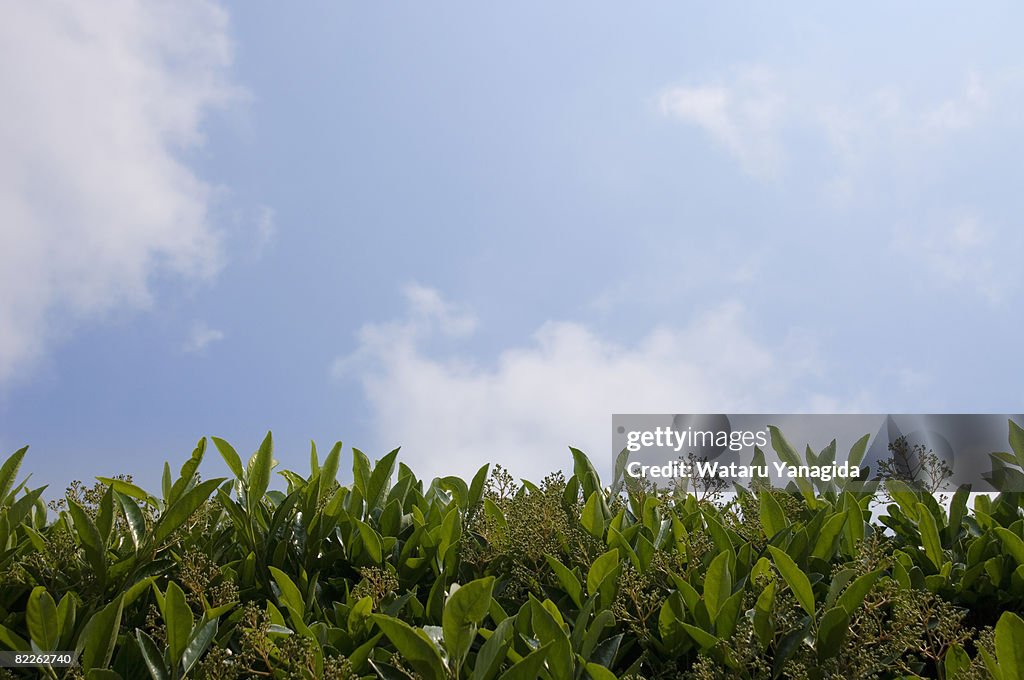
(198, 642)
(831, 632)
(178, 513)
(1010, 646)
(178, 619)
(773, 519)
(99, 637)
(291, 597)
(825, 544)
(231, 458)
(151, 656)
(592, 518)
(43, 622)
(795, 578)
(717, 584)
(855, 593)
(929, 535)
(570, 584)
(600, 569)
(414, 645)
(762, 615)
(9, 470)
(529, 667)
(260, 466)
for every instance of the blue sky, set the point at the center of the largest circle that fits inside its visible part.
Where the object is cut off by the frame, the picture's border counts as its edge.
(477, 232)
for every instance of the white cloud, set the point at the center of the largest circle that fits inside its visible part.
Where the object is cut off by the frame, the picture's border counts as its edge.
(562, 386)
(965, 254)
(200, 337)
(266, 229)
(99, 103)
(744, 116)
(750, 112)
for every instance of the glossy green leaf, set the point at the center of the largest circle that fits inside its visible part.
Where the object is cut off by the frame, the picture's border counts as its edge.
(529, 667)
(795, 578)
(602, 567)
(854, 595)
(414, 646)
(717, 584)
(43, 622)
(832, 630)
(463, 611)
(9, 471)
(570, 583)
(151, 656)
(773, 519)
(231, 457)
(178, 619)
(98, 638)
(1010, 646)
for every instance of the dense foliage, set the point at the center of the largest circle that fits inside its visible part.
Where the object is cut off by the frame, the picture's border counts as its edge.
(393, 577)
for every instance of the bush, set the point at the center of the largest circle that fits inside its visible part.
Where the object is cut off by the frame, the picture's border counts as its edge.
(490, 578)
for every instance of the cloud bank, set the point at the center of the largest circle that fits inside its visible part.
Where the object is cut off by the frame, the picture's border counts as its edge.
(562, 386)
(100, 103)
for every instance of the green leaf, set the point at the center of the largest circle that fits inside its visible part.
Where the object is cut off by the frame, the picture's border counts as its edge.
(291, 597)
(129, 489)
(956, 662)
(1012, 543)
(89, 535)
(13, 641)
(103, 674)
(825, 544)
(592, 518)
(570, 584)
(492, 652)
(178, 619)
(584, 470)
(463, 611)
(1010, 646)
(380, 480)
(703, 638)
(182, 509)
(414, 646)
(165, 482)
(260, 465)
(855, 593)
(199, 641)
(929, 535)
(231, 457)
(151, 656)
(831, 632)
(785, 451)
(8, 472)
(1016, 442)
(371, 542)
(773, 519)
(717, 584)
(762, 615)
(99, 636)
(597, 672)
(857, 451)
(134, 518)
(795, 578)
(529, 668)
(43, 622)
(329, 471)
(476, 487)
(548, 627)
(600, 569)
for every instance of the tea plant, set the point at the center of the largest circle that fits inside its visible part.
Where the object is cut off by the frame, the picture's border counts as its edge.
(493, 578)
